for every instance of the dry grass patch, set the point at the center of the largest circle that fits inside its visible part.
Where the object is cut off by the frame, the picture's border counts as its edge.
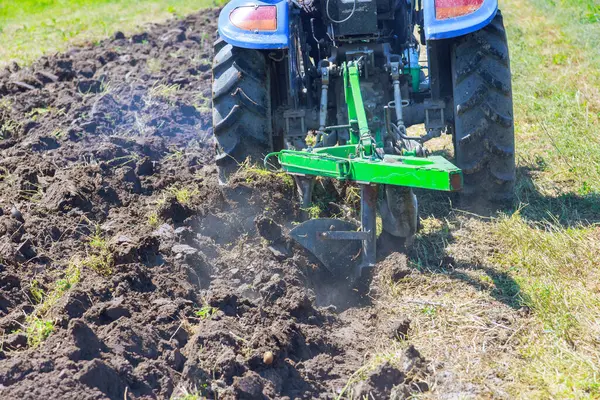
(505, 307)
(462, 310)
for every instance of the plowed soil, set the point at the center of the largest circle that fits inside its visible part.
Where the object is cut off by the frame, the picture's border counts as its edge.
(185, 286)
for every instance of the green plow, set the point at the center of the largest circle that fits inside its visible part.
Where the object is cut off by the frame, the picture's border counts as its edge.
(345, 163)
(342, 248)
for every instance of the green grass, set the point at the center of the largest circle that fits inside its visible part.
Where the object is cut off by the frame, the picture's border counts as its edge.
(206, 312)
(153, 219)
(188, 395)
(164, 92)
(545, 256)
(184, 195)
(32, 28)
(252, 173)
(551, 246)
(39, 325)
(557, 270)
(99, 257)
(556, 84)
(38, 330)
(313, 211)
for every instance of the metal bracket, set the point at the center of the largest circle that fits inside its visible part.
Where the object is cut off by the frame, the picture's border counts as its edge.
(435, 120)
(295, 114)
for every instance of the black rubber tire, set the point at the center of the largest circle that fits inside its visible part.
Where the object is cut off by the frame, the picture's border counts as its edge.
(241, 106)
(484, 141)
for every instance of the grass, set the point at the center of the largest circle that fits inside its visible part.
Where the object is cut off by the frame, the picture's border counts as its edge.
(184, 195)
(188, 395)
(99, 257)
(393, 355)
(202, 103)
(154, 65)
(39, 325)
(313, 211)
(557, 100)
(252, 173)
(38, 330)
(557, 270)
(206, 312)
(551, 246)
(153, 219)
(165, 92)
(32, 28)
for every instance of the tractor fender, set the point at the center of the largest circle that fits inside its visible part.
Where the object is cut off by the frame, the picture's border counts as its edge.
(436, 29)
(259, 40)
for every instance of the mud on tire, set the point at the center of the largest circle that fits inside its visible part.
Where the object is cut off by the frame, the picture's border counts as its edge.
(241, 106)
(483, 113)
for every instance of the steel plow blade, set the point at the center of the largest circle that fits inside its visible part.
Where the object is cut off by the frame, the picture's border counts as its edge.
(340, 256)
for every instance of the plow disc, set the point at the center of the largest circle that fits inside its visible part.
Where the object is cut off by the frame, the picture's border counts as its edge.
(321, 237)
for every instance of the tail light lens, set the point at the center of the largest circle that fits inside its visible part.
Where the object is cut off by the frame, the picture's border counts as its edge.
(445, 9)
(255, 18)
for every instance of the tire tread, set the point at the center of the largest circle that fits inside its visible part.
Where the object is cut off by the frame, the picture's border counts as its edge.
(484, 125)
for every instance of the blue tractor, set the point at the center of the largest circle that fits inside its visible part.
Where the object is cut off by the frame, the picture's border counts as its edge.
(279, 82)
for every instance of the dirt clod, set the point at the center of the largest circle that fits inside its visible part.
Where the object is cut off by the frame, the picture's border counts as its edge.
(16, 214)
(399, 329)
(380, 382)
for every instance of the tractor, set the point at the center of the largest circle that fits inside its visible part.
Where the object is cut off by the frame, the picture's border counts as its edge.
(329, 87)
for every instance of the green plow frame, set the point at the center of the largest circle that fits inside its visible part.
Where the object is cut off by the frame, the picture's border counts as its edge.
(345, 163)
(362, 163)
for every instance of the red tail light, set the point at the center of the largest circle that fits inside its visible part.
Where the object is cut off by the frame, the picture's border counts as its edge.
(445, 9)
(255, 18)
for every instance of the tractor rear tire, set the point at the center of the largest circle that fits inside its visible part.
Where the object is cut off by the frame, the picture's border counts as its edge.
(484, 142)
(241, 107)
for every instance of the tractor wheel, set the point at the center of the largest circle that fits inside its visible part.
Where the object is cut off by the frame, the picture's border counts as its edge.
(484, 142)
(241, 106)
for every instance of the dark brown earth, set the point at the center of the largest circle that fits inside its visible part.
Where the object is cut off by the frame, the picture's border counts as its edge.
(96, 142)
